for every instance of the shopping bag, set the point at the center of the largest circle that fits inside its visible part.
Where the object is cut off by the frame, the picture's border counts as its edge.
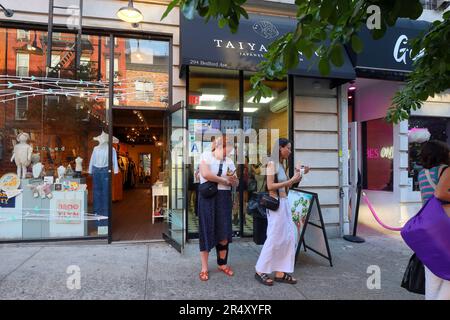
(414, 277)
(428, 235)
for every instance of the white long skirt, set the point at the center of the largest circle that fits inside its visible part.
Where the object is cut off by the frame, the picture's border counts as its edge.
(435, 287)
(278, 252)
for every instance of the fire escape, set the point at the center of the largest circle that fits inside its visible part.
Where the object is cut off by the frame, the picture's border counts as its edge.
(72, 52)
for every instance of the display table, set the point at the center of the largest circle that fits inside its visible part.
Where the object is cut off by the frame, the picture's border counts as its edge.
(159, 190)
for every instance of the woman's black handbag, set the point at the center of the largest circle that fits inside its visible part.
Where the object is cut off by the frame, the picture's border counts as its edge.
(209, 189)
(266, 201)
(414, 277)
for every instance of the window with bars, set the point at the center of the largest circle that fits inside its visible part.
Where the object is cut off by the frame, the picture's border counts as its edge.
(22, 64)
(23, 35)
(21, 108)
(116, 69)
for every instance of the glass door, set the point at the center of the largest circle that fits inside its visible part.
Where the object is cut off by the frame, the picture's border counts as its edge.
(199, 124)
(176, 139)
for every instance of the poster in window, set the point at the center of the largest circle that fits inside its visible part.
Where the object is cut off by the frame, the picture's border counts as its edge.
(68, 211)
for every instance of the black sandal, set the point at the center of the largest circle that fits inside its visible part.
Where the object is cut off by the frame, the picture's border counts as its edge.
(264, 279)
(286, 278)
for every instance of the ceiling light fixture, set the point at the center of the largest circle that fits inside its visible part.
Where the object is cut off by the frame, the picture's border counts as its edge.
(205, 107)
(249, 110)
(212, 97)
(130, 13)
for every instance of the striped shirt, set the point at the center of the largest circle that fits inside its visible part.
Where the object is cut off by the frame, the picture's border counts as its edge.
(426, 189)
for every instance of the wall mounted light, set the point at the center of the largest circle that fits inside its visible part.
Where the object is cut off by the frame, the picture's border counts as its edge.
(352, 86)
(130, 13)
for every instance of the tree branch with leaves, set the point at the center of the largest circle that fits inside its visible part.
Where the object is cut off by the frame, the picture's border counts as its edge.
(324, 27)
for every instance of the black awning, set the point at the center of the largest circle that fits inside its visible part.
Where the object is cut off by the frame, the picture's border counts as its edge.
(207, 45)
(392, 52)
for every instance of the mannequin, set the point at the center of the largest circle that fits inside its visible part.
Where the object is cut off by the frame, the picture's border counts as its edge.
(98, 168)
(22, 154)
(37, 167)
(61, 172)
(78, 167)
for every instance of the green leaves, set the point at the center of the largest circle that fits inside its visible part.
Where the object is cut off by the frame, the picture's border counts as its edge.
(226, 12)
(357, 44)
(326, 8)
(324, 66)
(170, 7)
(290, 56)
(338, 22)
(223, 22)
(337, 55)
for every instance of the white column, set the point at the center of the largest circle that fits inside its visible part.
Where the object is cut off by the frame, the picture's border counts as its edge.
(343, 159)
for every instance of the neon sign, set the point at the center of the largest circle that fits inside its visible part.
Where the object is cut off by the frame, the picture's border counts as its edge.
(383, 153)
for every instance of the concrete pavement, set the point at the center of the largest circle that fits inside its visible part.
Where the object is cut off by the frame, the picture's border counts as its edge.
(157, 271)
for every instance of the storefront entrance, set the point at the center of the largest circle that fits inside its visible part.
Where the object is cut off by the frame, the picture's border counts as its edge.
(139, 190)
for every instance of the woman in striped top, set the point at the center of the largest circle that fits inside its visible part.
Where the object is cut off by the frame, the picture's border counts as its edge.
(434, 179)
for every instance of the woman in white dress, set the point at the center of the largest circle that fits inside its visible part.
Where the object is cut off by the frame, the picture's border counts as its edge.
(278, 252)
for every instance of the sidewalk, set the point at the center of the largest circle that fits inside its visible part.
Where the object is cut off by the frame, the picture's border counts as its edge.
(157, 271)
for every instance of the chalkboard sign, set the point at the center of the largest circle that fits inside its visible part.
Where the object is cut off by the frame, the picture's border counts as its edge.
(307, 216)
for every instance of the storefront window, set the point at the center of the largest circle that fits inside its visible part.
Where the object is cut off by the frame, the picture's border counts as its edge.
(200, 138)
(378, 155)
(437, 127)
(269, 114)
(49, 127)
(213, 89)
(141, 73)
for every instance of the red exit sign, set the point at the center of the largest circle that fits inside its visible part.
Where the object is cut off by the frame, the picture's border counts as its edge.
(194, 99)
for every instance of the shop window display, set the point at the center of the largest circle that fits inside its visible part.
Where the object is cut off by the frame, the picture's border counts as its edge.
(422, 129)
(271, 113)
(378, 155)
(47, 190)
(220, 91)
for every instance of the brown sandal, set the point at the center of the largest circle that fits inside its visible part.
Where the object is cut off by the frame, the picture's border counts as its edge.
(204, 275)
(286, 278)
(264, 279)
(227, 270)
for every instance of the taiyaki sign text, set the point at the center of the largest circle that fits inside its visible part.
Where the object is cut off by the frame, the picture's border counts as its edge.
(206, 44)
(247, 47)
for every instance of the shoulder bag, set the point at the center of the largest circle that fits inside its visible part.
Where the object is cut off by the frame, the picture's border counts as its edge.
(414, 277)
(428, 235)
(209, 189)
(266, 201)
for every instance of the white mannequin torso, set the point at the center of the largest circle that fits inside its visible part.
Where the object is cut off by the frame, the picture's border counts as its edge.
(37, 170)
(79, 164)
